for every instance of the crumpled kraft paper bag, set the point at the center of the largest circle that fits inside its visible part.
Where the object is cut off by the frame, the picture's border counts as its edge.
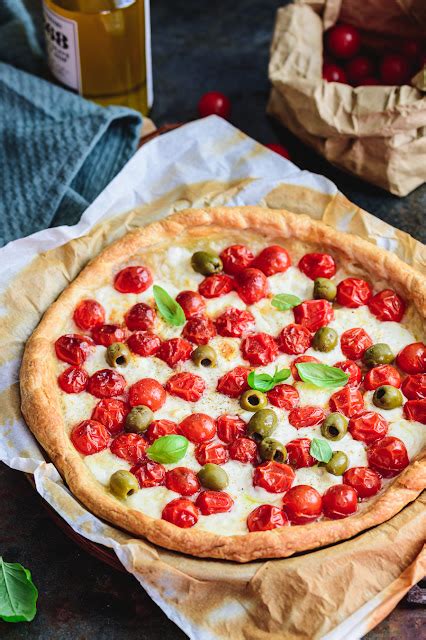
(377, 133)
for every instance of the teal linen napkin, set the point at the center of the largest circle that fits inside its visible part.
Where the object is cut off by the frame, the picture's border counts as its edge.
(57, 150)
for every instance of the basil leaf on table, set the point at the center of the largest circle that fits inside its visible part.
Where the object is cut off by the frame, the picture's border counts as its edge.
(321, 375)
(320, 450)
(264, 381)
(285, 301)
(171, 310)
(18, 594)
(168, 449)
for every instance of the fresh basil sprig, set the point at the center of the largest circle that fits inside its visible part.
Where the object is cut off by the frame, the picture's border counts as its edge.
(321, 375)
(168, 449)
(285, 301)
(18, 594)
(171, 310)
(265, 382)
(320, 450)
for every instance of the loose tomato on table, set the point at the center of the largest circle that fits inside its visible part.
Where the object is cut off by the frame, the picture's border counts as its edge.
(339, 501)
(415, 410)
(215, 286)
(298, 453)
(192, 303)
(266, 517)
(198, 427)
(73, 348)
(136, 279)
(348, 401)
(210, 502)
(149, 474)
(313, 314)
(271, 260)
(181, 512)
(353, 292)
(387, 306)
(296, 361)
(380, 375)
(278, 148)
(147, 392)
(235, 258)
(182, 480)
(294, 339)
(112, 413)
(107, 334)
(354, 342)
(211, 452)
(144, 343)
(275, 477)
(199, 329)
(140, 317)
(73, 380)
(243, 449)
(160, 428)
(88, 314)
(414, 386)
(412, 358)
(388, 456)
(251, 285)
(90, 437)
(306, 417)
(368, 427)
(187, 386)
(364, 480)
(259, 348)
(106, 384)
(302, 504)
(352, 370)
(233, 323)
(214, 103)
(317, 265)
(229, 428)
(343, 41)
(130, 447)
(234, 382)
(284, 396)
(175, 351)
(333, 73)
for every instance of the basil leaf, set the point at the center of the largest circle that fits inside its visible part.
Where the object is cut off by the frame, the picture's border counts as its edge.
(18, 595)
(320, 450)
(285, 301)
(171, 310)
(168, 449)
(321, 375)
(280, 376)
(265, 382)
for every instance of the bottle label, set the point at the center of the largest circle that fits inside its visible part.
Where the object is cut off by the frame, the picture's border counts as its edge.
(62, 48)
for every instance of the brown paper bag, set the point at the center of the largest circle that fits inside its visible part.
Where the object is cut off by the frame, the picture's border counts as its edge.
(375, 132)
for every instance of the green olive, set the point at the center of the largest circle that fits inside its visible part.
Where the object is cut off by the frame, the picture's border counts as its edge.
(204, 356)
(324, 289)
(379, 353)
(338, 463)
(325, 339)
(212, 476)
(206, 263)
(253, 400)
(262, 424)
(122, 484)
(270, 449)
(334, 426)
(117, 354)
(139, 419)
(387, 397)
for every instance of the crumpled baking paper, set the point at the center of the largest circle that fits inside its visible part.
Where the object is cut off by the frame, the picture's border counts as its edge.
(340, 591)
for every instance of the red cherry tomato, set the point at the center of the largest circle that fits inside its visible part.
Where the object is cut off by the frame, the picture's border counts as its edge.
(229, 428)
(339, 501)
(181, 512)
(210, 502)
(278, 148)
(140, 317)
(412, 358)
(343, 41)
(317, 265)
(353, 292)
(191, 302)
(371, 81)
(415, 410)
(149, 474)
(243, 450)
(387, 305)
(313, 314)
(358, 69)
(394, 69)
(333, 73)
(352, 370)
(411, 48)
(106, 384)
(235, 258)
(182, 480)
(144, 343)
(199, 329)
(294, 339)
(265, 518)
(133, 280)
(215, 286)
(107, 334)
(234, 382)
(111, 413)
(89, 314)
(272, 260)
(259, 348)
(90, 437)
(187, 386)
(298, 453)
(348, 401)
(368, 427)
(302, 504)
(198, 427)
(233, 323)
(274, 477)
(130, 447)
(364, 480)
(284, 396)
(414, 387)
(306, 417)
(388, 456)
(354, 343)
(175, 351)
(73, 380)
(252, 285)
(213, 452)
(73, 348)
(214, 103)
(147, 392)
(383, 374)
(296, 361)
(160, 428)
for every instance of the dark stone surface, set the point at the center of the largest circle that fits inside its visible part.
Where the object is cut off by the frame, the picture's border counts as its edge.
(197, 47)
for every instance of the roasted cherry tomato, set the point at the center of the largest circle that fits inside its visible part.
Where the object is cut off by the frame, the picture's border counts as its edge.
(133, 280)
(214, 103)
(233, 323)
(149, 474)
(235, 258)
(107, 334)
(106, 384)
(199, 329)
(272, 260)
(175, 351)
(181, 512)
(364, 480)
(111, 413)
(130, 447)
(211, 452)
(234, 382)
(294, 339)
(251, 285)
(73, 380)
(306, 417)
(215, 286)
(339, 501)
(259, 348)
(412, 358)
(414, 387)
(380, 375)
(333, 73)
(415, 410)
(354, 342)
(229, 428)
(352, 370)
(275, 477)
(394, 69)
(89, 314)
(298, 453)
(353, 292)
(313, 314)
(144, 343)
(182, 480)
(187, 386)
(368, 427)
(243, 450)
(73, 348)
(284, 396)
(191, 302)
(317, 265)
(293, 368)
(265, 518)
(90, 437)
(198, 427)
(140, 317)
(302, 504)
(147, 392)
(210, 502)
(358, 69)
(387, 305)
(348, 401)
(343, 41)
(388, 456)
(160, 428)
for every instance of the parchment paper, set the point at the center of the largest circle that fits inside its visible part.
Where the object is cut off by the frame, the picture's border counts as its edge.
(341, 591)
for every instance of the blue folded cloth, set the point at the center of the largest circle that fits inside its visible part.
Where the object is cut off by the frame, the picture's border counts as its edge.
(57, 150)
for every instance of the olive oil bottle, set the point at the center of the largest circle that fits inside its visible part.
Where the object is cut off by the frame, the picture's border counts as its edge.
(101, 49)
